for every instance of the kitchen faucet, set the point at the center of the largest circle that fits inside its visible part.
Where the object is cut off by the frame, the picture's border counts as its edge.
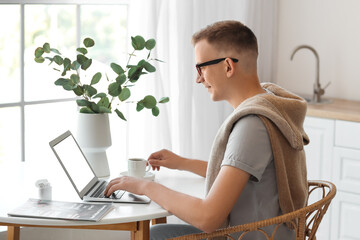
(318, 91)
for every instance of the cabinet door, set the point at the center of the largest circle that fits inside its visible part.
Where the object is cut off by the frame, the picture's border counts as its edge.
(347, 134)
(345, 216)
(346, 204)
(319, 160)
(346, 170)
(319, 150)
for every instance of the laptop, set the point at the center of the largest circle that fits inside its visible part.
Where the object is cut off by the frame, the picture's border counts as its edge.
(82, 176)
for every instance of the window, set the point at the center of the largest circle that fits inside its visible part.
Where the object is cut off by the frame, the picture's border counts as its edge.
(32, 108)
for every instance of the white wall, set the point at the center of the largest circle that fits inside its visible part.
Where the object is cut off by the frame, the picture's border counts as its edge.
(332, 27)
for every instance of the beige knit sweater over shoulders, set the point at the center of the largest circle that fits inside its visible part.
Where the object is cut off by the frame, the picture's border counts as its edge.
(283, 114)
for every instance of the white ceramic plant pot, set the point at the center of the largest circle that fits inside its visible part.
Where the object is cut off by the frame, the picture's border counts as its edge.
(93, 135)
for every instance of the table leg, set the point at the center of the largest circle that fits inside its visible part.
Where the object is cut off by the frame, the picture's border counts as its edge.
(13, 233)
(142, 232)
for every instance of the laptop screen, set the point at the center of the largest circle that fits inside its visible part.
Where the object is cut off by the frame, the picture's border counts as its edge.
(74, 162)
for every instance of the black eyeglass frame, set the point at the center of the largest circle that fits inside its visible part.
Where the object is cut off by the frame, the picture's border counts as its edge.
(215, 61)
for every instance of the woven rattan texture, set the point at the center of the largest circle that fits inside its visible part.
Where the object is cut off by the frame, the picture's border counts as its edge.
(305, 221)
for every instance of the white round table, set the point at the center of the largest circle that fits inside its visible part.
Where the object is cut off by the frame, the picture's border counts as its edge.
(18, 184)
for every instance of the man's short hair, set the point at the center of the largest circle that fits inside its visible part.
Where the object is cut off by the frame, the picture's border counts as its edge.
(228, 35)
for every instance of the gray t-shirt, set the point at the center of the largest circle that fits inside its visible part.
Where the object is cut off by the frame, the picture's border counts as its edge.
(249, 149)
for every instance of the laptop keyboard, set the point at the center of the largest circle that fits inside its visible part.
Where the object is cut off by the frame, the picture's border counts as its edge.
(101, 189)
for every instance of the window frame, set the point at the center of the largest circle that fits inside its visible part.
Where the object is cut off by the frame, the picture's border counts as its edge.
(22, 103)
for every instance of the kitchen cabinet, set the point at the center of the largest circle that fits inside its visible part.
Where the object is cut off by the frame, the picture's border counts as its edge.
(319, 154)
(319, 150)
(346, 209)
(345, 216)
(334, 154)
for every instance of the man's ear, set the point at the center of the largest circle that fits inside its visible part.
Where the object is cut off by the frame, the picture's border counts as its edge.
(230, 67)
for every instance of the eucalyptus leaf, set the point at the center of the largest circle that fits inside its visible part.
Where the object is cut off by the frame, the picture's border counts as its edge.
(78, 90)
(120, 114)
(96, 78)
(149, 102)
(89, 90)
(104, 102)
(46, 47)
(62, 81)
(75, 78)
(132, 71)
(121, 79)
(103, 109)
(39, 59)
(141, 63)
(95, 107)
(150, 44)
(100, 95)
(83, 103)
(81, 59)
(155, 111)
(82, 50)
(39, 52)
(69, 86)
(138, 42)
(88, 42)
(58, 60)
(114, 89)
(75, 65)
(117, 68)
(86, 64)
(55, 51)
(125, 94)
(86, 110)
(149, 67)
(139, 107)
(67, 64)
(164, 100)
(134, 74)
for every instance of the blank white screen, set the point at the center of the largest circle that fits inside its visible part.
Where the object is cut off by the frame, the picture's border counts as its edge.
(74, 162)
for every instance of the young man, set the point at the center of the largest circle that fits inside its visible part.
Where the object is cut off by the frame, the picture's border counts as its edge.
(257, 165)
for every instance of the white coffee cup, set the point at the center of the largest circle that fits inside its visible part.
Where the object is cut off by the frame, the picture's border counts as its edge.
(137, 167)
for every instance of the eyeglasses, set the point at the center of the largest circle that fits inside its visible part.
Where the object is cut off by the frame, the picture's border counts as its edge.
(198, 66)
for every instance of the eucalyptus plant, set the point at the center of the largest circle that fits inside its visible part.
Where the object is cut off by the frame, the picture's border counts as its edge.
(91, 100)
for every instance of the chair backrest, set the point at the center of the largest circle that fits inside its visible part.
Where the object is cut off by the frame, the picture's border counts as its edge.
(305, 221)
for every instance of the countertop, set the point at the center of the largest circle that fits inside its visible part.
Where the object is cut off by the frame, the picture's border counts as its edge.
(339, 109)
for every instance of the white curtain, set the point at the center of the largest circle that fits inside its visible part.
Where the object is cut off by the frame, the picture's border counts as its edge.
(188, 124)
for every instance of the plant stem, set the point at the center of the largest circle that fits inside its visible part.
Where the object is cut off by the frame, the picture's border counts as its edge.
(130, 55)
(112, 99)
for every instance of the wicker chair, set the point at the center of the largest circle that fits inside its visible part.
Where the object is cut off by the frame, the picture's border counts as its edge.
(305, 220)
